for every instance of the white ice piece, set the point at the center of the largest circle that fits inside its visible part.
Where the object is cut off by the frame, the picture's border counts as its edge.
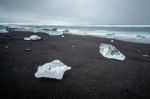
(54, 69)
(3, 30)
(145, 55)
(33, 37)
(112, 41)
(62, 36)
(6, 47)
(109, 51)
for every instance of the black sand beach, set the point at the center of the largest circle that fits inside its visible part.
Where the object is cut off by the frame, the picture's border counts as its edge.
(92, 76)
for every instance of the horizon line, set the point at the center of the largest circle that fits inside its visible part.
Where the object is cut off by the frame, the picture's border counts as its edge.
(90, 25)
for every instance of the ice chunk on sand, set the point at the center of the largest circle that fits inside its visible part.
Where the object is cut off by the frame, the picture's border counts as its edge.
(145, 55)
(3, 30)
(112, 41)
(6, 47)
(33, 37)
(28, 49)
(109, 51)
(54, 69)
(62, 36)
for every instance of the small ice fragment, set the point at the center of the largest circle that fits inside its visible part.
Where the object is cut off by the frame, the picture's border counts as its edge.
(33, 37)
(138, 51)
(145, 55)
(112, 41)
(3, 30)
(27, 38)
(6, 47)
(62, 36)
(109, 51)
(54, 69)
(28, 49)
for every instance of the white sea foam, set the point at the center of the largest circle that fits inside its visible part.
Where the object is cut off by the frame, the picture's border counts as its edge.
(51, 32)
(75, 32)
(128, 37)
(125, 32)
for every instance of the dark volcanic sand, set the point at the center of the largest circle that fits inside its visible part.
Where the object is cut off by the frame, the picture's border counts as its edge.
(92, 76)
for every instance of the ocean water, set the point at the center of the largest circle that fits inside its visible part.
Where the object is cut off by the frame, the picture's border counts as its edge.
(128, 33)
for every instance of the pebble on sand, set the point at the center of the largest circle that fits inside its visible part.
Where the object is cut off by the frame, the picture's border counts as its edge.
(138, 51)
(28, 49)
(6, 47)
(145, 55)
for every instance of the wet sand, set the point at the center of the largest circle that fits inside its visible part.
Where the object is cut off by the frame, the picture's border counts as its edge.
(92, 76)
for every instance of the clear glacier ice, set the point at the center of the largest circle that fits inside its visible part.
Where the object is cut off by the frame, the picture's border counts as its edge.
(33, 38)
(54, 70)
(109, 51)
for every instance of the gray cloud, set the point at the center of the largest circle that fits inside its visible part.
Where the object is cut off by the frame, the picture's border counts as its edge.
(75, 11)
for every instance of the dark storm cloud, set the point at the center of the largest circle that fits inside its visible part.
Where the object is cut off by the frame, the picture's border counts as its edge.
(75, 11)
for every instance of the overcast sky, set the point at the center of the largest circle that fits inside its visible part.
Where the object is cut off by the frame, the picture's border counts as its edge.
(75, 11)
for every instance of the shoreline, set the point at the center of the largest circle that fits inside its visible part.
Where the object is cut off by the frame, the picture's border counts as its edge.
(127, 33)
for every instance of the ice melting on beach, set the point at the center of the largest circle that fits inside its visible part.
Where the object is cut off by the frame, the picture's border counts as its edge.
(109, 51)
(33, 37)
(112, 41)
(54, 69)
(3, 30)
(145, 55)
